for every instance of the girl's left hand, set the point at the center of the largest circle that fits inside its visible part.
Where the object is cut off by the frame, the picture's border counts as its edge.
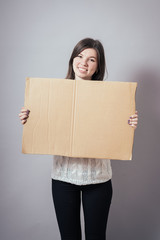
(133, 121)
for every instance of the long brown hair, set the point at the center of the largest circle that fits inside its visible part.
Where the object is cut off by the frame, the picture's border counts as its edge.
(89, 43)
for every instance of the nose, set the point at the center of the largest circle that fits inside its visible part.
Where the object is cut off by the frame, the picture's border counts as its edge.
(84, 61)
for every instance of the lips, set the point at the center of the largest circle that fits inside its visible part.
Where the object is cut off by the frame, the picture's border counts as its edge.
(82, 70)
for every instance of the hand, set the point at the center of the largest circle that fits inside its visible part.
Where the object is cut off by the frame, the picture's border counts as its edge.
(133, 121)
(24, 115)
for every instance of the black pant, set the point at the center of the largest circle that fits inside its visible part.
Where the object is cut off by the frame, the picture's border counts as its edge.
(96, 200)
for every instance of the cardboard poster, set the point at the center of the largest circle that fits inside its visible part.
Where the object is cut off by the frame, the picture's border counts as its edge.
(79, 118)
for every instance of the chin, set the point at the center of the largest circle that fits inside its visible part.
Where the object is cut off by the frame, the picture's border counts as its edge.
(82, 76)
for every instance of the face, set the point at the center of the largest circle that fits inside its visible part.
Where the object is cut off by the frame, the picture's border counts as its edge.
(85, 64)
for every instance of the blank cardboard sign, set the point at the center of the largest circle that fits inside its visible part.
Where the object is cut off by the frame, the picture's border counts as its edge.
(79, 118)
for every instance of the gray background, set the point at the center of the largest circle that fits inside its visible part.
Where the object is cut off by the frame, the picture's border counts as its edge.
(37, 38)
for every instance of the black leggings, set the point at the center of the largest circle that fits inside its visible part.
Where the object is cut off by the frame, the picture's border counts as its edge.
(96, 200)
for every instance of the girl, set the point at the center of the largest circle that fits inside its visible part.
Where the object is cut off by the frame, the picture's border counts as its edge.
(83, 179)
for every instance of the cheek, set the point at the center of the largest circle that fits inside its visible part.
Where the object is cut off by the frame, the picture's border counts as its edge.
(94, 67)
(75, 62)
(74, 65)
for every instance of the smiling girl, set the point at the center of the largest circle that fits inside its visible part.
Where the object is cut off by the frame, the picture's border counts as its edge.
(86, 180)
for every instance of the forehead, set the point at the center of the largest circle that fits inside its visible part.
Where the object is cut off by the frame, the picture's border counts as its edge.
(89, 52)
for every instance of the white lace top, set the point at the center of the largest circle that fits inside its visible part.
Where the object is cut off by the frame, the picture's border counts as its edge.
(81, 171)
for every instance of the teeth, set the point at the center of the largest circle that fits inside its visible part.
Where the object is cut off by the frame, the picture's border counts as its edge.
(82, 69)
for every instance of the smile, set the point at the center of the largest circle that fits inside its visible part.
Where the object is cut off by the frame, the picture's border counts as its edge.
(82, 69)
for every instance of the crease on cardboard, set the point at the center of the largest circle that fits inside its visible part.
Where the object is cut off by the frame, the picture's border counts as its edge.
(75, 109)
(72, 119)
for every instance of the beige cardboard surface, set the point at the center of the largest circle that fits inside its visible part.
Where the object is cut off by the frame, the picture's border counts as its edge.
(79, 118)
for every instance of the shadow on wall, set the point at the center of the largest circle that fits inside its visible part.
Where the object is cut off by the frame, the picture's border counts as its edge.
(148, 153)
(137, 192)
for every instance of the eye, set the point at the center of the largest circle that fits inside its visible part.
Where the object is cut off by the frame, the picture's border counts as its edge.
(92, 60)
(80, 56)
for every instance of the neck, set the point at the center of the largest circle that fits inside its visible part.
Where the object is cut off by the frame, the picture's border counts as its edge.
(79, 78)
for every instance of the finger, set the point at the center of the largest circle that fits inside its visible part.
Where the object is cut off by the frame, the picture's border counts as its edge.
(134, 126)
(23, 117)
(21, 114)
(23, 110)
(134, 116)
(23, 121)
(133, 120)
(24, 113)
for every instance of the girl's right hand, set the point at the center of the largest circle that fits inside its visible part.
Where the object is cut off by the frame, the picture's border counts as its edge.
(24, 114)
